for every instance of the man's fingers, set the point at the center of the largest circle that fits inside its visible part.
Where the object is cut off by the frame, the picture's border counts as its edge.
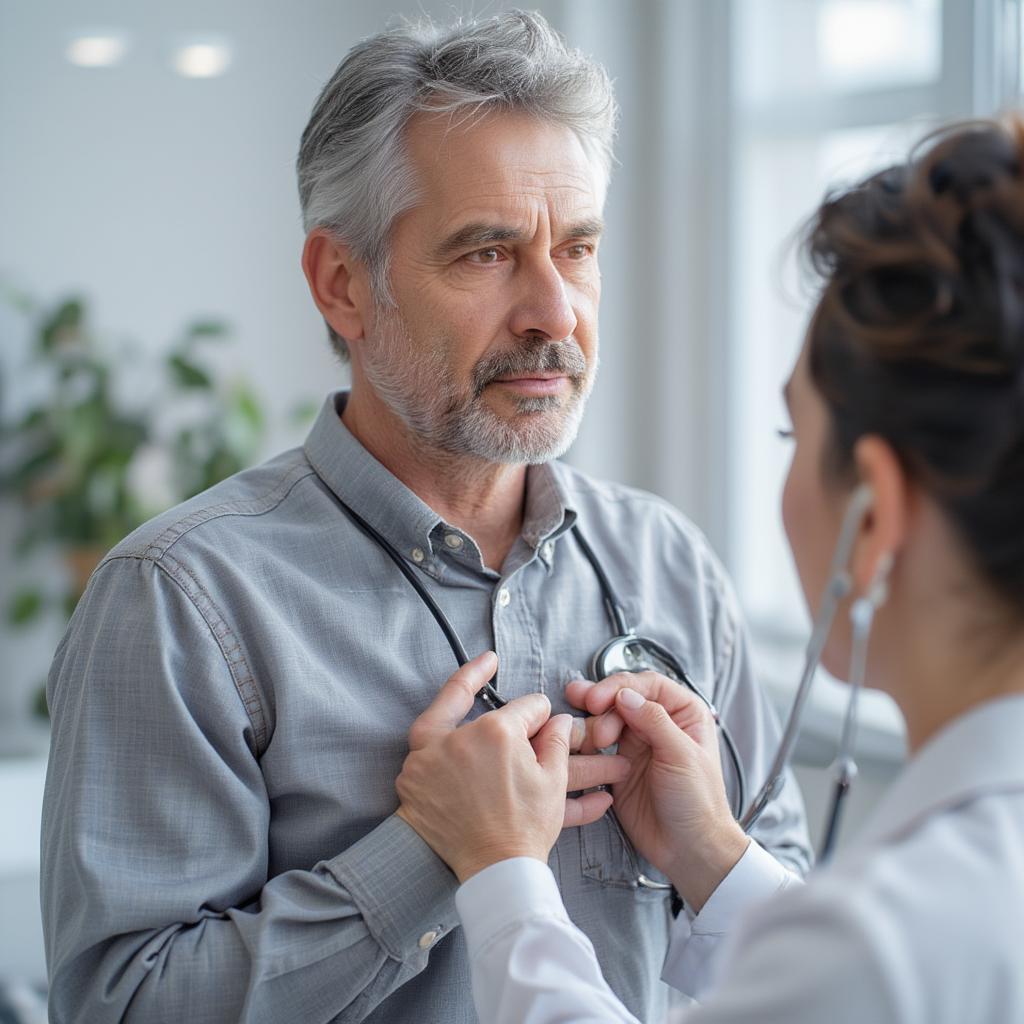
(576, 693)
(454, 700)
(531, 712)
(578, 736)
(589, 770)
(594, 733)
(598, 698)
(551, 744)
(582, 810)
(605, 729)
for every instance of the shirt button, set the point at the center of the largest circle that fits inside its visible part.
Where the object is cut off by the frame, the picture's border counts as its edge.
(504, 597)
(453, 540)
(427, 939)
(417, 555)
(547, 550)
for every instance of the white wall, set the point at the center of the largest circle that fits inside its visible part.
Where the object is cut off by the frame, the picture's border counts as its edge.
(161, 198)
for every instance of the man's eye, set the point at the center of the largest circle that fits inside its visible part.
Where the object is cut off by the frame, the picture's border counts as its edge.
(484, 256)
(580, 251)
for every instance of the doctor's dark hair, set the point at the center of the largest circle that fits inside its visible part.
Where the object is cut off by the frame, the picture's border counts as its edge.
(918, 336)
(354, 174)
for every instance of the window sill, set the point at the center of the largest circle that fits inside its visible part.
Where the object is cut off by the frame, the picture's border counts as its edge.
(880, 741)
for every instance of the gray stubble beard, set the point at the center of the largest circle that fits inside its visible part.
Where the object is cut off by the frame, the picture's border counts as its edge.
(420, 391)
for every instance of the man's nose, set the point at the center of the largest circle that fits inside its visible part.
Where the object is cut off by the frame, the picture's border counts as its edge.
(542, 308)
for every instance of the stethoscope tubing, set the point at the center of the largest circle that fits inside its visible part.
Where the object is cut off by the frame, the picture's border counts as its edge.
(490, 696)
(839, 586)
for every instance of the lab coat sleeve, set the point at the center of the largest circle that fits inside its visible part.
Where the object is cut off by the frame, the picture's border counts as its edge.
(806, 957)
(781, 851)
(158, 903)
(529, 963)
(698, 941)
(817, 953)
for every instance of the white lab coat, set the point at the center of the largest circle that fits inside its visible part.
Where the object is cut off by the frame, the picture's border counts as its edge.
(919, 921)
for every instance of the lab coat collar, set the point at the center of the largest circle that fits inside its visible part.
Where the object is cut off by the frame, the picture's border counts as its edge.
(980, 752)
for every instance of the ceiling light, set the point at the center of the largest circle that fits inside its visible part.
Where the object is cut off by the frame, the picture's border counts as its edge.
(96, 51)
(202, 60)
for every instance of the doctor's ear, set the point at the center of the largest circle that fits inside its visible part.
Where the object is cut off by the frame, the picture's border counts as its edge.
(885, 522)
(338, 282)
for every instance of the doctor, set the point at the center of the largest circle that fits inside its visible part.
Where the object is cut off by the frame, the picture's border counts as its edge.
(910, 389)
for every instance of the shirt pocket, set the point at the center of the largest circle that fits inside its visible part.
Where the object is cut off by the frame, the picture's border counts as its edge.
(609, 857)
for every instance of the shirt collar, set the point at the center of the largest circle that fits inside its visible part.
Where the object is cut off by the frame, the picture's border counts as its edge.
(379, 497)
(362, 483)
(978, 753)
(548, 513)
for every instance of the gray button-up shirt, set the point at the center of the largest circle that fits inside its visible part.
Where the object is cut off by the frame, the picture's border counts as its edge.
(230, 708)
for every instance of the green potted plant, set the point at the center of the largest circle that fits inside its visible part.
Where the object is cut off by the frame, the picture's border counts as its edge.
(71, 457)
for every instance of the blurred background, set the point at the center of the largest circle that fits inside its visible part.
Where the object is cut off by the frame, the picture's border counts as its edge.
(156, 332)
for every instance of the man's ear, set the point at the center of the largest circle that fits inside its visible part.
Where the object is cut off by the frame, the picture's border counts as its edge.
(338, 283)
(884, 528)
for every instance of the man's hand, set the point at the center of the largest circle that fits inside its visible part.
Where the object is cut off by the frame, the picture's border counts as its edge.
(483, 791)
(673, 806)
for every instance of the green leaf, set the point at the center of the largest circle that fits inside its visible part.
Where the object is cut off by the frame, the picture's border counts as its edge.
(207, 329)
(67, 320)
(249, 407)
(187, 375)
(39, 463)
(32, 419)
(17, 299)
(303, 413)
(26, 605)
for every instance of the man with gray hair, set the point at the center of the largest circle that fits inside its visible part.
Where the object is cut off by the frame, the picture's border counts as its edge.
(232, 701)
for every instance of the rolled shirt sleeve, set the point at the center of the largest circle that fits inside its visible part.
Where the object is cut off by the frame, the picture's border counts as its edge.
(156, 891)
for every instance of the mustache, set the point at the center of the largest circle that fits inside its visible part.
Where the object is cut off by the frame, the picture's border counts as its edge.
(563, 357)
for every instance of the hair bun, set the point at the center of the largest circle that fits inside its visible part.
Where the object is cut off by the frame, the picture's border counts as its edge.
(918, 336)
(972, 161)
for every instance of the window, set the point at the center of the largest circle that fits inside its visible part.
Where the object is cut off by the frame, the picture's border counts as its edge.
(823, 91)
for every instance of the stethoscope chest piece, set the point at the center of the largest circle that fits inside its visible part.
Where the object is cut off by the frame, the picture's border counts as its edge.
(630, 653)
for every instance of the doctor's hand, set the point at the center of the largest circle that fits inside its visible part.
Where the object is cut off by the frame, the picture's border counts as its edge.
(673, 805)
(483, 791)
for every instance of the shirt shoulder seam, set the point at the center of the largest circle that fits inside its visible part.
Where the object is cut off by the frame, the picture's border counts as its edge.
(156, 548)
(226, 639)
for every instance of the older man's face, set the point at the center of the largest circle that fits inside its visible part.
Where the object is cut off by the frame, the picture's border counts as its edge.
(491, 348)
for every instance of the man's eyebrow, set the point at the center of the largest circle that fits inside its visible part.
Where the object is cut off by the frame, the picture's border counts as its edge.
(477, 234)
(787, 395)
(592, 227)
(473, 235)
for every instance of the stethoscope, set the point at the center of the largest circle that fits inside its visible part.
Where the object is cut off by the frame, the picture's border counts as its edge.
(861, 617)
(627, 651)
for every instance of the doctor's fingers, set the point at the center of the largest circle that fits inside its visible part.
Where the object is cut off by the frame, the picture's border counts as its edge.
(650, 721)
(453, 701)
(685, 707)
(589, 770)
